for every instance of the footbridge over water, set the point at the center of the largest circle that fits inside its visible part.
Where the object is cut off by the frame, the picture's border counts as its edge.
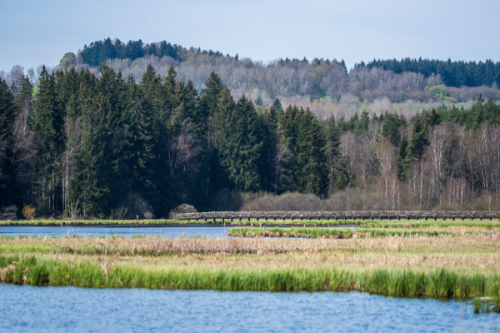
(338, 215)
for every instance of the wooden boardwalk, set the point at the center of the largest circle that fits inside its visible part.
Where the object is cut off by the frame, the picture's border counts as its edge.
(339, 215)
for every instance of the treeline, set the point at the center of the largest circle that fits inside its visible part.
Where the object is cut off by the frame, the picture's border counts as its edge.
(101, 146)
(301, 80)
(453, 73)
(100, 51)
(87, 145)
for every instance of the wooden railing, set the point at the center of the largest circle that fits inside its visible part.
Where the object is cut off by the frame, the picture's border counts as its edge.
(339, 215)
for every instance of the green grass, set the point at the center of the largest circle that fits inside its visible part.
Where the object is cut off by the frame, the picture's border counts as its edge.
(91, 222)
(336, 233)
(430, 224)
(395, 282)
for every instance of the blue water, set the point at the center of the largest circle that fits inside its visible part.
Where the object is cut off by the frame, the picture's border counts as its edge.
(117, 230)
(71, 309)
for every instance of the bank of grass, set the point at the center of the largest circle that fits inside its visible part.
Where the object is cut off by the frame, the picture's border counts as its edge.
(464, 266)
(439, 283)
(338, 233)
(92, 222)
(430, 224)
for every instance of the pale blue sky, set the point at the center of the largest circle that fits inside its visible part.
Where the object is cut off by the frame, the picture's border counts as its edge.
(35, 32)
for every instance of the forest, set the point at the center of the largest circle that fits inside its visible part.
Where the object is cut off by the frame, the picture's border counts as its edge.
(323, 85)
(105, 145)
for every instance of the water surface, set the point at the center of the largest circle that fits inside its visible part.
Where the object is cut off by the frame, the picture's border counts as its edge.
(71, 309)
(120, 230)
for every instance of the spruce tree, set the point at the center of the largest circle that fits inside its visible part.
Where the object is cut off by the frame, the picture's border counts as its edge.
(404, 159)
(139, 140)
(8, 110)
(333, 156)
(311, 157)
(49, 123)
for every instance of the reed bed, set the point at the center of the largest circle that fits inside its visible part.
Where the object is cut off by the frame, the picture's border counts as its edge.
(345, 233)
(91, 222)
(462, 266)
(428, 224)
(439, 283)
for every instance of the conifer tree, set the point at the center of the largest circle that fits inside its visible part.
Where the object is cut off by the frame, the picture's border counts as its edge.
(311, 157)
(404, 159)
(418, 140)
(91, 187)
(139, 140)
(333, 156)
(49, 122)
(8, 111)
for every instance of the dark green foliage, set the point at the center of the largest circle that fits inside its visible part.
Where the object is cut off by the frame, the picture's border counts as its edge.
(243, 148)
(454, 74)
(418, 140)
(49, 123)
(8, 110)
(391, 128)
(101, 145)
(100, 51)
(302, 135)
(404, 160)
(335, 165)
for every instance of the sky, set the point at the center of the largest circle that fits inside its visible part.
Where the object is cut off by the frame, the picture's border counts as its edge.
(35, 32)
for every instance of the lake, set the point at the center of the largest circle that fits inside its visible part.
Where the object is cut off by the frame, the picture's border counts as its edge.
(70, 309)
(120, 230)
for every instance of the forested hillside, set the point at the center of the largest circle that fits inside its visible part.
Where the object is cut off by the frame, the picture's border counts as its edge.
(453, 73)
(323, 85)
(108, 145)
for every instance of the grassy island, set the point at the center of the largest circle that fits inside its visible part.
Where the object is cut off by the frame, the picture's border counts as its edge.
(462, 265)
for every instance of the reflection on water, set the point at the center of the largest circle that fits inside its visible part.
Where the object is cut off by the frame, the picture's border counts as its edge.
(117, 230)
(71, 309)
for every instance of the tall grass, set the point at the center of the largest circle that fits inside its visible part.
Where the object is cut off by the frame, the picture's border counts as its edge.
(428, 224)
(439, 283)
(331, 233)
(92, 222)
